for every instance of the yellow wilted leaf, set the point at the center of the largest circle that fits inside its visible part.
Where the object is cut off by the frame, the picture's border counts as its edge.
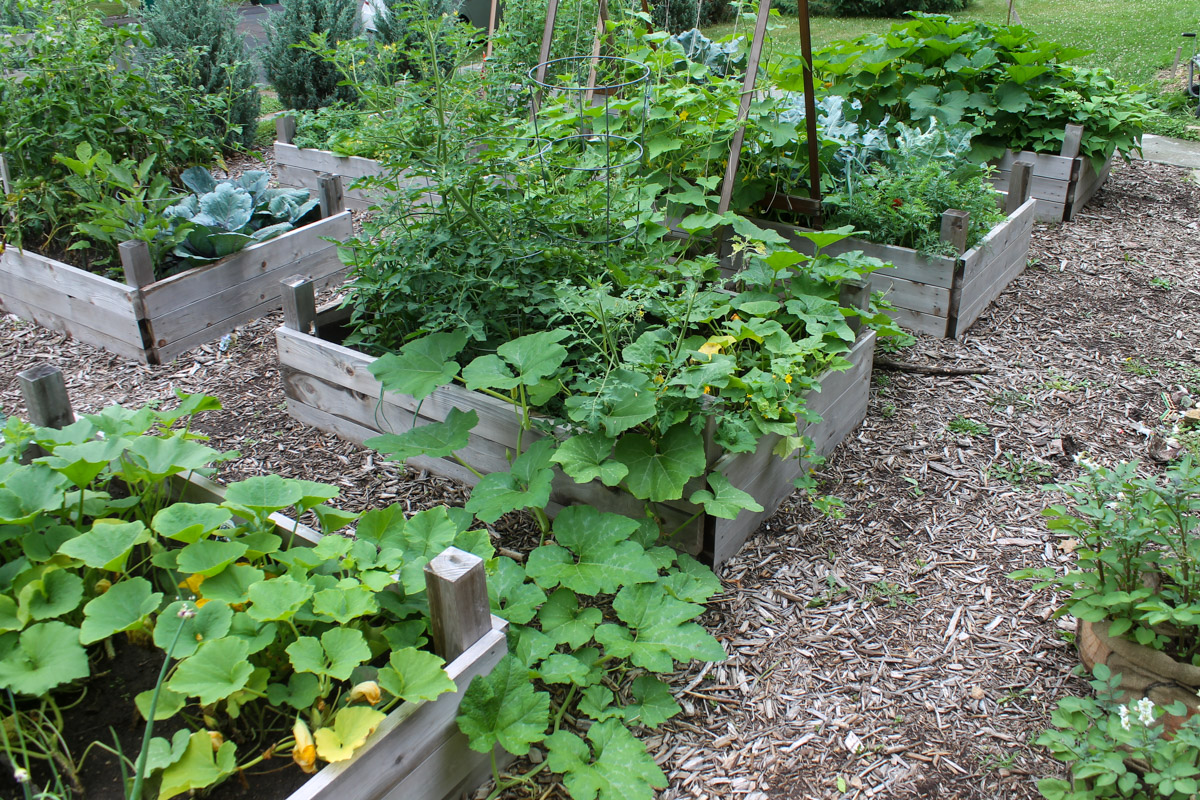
(350, 730)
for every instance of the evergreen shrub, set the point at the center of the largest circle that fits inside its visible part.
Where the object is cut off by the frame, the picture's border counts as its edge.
(303, 79)
(203, 36)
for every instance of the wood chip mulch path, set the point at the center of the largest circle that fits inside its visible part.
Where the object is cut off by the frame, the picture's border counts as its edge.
(884, 654)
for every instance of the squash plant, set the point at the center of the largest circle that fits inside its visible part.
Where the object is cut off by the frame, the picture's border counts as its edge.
(1004, 80)
(266, 648)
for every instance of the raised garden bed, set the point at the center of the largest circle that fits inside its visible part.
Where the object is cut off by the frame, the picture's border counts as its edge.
(303, 168)
(1062, 184)
(938, 295)
(330, 387)
(417, 751)
(152, 320)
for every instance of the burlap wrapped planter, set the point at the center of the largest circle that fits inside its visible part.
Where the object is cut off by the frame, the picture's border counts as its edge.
(1144, 672)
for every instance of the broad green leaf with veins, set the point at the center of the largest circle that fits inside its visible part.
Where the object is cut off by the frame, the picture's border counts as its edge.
(532, 646)
(198, 767)
(421, 365)
(573, 668)
(489, 372)
(660, 473)
(207, 557)
(692, 582)
(351, 727)
(54, 594)
(435, 440)
(160, 456)
(45, 656)
(588, 456)
(593, 555)
(725, 500)
(527, 485)
(565, 622)
(616, 767)
(502, 708)
(276, 598)
(187, 522)
(661, 633)
(628, 399)
(535, 355)
(263, 495)
(337, 653)
(218, 669)
(654, 705)
(426, 534)
(511, 596)
(343, 605)
(123, 607)
(415, 675)
(107, 545)
(211, 621)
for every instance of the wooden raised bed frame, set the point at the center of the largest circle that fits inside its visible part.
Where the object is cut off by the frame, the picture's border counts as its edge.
(330, 387)
(1062, 184)
(937, 295)
(417, 752)
(153, 321)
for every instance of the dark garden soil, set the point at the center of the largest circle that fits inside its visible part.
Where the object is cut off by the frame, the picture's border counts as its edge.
(884, 654)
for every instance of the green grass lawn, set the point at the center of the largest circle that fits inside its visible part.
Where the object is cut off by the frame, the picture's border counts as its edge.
(1132, 38)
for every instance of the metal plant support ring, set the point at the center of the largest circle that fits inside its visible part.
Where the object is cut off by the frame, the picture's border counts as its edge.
(620, 151)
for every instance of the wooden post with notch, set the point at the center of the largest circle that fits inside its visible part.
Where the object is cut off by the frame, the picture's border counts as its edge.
(6, 182)
(329, 192)
(459, 612)
(544, 53)
(855, 294)
(955, 225)
(137, 264)
(45, 393)
(285, 129)
(735, 147)
(299, 303)
(1072, 139)
(1020, 184)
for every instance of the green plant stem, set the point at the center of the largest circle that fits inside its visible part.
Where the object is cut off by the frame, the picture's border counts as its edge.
(135, 793)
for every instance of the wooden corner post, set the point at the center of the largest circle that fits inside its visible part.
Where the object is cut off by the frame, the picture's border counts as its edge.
(855, 294)
(1072, 139)
(45, 393)
(459, 612)
(137, 264)
(955, 225)
(299, 303)
(1020, 184)
(329, 192)
(285, 128)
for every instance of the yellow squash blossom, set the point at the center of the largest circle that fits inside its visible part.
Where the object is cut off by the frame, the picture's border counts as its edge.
(304, 751)
(367, 690)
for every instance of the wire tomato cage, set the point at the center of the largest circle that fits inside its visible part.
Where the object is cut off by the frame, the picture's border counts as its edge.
(587, 149)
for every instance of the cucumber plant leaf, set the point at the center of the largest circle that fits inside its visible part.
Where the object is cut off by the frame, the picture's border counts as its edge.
(262, 495)
(588, 456)
(216, 670)
(660, 473)
(503, 708)
(338, 652)
(125, 606)
(615, 767)
(421, 365)
(46, 655)
(594, 554)
(565, 622)
(207, 557)
(188, 522)
(512, 597)
(725, 500)
(426, 534)
(526, 485)
(211, 621)
(55, 593)
(415, 675)
(107, 545)
(345, 604)
(661, 632)
(435, 440)
(654, 705)
(535, 355)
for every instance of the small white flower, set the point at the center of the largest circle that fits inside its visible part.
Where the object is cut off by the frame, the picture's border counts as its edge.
(21, 775)
(1121, 496)
(1145, 709)
(1124, 712)
(186, 612)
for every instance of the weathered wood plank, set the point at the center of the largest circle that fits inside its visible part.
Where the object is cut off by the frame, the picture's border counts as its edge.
(169, 295)
(984, 290)
(917, 322)
(1045, 165)
(408, 737)
(234, 305)
(1087, 185)
(317, 161)
(95, 290)
(1018, 225)
(919, 297)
